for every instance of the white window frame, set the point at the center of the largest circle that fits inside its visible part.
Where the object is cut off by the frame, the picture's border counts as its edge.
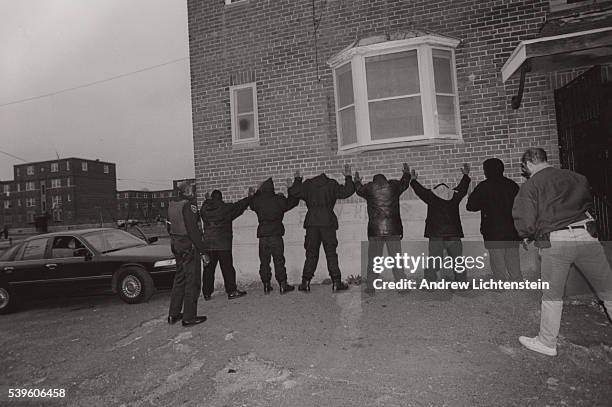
(56, 183)
(233, 89)
(67, 165)
(30, 184)
(30, 202)
(56, 201)
(7, 204)
(30, 170)
(424, 46)
(84, 166)
(106, 169)
(54, 167)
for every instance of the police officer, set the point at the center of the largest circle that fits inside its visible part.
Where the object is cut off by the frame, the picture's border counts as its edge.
(188, 249)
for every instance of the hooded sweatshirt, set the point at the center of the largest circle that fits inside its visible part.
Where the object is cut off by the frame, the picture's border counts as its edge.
(320, 194)
(494, 198)
(382, 196)
(270, 209)
(443, 220)
(217, 217)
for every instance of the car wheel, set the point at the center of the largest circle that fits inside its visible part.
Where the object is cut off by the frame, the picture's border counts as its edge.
(8, 299)
(135, 285)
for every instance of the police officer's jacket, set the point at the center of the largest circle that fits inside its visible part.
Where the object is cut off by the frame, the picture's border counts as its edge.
(183, 226)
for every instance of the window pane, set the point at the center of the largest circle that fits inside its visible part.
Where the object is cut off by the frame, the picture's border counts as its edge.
(396, 118)
(244, 100)
(246, 128)
(344, 81)
(446, 114)
(442, 71)
(34, 249)
(347, 126)
(392, 75)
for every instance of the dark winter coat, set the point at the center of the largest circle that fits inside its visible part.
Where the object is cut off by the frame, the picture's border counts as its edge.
(382, 196)
(443, 218)
(217, 217)
(270, 209)
(494, 198)
(320, 194)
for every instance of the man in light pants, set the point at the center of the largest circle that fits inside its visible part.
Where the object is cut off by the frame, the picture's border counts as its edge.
(552, 209)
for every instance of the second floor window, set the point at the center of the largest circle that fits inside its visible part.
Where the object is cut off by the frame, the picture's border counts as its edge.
(54, 167)
(243, 106)
(84, 166)
(56, 183)
(30, 202)
(30, 170)
(7, 204)
(29, 186)
(106, 169)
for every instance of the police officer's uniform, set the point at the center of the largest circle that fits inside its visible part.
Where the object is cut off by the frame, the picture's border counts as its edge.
(187, 246)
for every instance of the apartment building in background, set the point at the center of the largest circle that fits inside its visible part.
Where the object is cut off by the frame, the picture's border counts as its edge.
(65, 191)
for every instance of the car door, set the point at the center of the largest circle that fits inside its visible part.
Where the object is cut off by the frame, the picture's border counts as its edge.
(28, 269)
(70, 262)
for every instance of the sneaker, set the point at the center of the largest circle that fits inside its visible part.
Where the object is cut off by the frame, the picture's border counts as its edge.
(535, 345)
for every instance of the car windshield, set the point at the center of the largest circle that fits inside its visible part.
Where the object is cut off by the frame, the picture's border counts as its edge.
(110, 240)
(10, 253)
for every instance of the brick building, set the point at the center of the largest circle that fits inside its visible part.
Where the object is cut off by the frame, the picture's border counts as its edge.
(65, 191)
(314, 85)
(146, 205)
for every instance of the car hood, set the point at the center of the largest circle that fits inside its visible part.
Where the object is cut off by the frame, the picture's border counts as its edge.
(161, 251)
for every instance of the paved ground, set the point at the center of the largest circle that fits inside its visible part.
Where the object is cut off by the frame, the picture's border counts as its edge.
(320, 349)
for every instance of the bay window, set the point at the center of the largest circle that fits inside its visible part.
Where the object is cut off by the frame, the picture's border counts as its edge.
(396, 93)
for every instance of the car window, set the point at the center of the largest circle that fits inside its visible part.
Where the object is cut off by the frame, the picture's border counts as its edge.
(64, 246)
(9, 255)
(34, 249)
(108, 240)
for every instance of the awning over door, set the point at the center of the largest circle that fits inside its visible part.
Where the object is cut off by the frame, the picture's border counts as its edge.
(577, 49)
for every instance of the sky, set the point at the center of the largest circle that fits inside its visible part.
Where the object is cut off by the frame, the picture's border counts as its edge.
(141, 121)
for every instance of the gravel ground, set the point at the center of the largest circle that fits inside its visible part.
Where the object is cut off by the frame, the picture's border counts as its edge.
(317, 349)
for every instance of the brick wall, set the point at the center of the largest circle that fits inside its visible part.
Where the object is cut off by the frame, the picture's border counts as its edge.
(271, 42)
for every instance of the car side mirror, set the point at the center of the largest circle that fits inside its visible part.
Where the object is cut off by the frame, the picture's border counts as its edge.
(82, 252)
(152, 239)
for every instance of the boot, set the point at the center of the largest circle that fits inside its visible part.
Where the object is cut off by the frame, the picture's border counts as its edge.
(285, 288)
(267, 288)
(305, 285)
(338, 285)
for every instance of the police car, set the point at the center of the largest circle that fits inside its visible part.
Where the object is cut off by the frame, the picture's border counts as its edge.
(78, 260)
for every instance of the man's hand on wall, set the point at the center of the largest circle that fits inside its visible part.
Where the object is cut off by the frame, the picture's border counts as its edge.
(297, 174)
(413, 175)
(465, 170)
(207, 196)
(347, 170)
(406, 169)
(357, 178)
(251, 191)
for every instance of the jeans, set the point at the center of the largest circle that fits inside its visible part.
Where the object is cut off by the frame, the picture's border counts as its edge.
(375, 249)
(272, 248)
(505, 263)
(454, 249)
(569, 247)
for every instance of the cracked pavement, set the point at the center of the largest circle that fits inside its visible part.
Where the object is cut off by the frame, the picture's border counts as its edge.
(317, 349)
